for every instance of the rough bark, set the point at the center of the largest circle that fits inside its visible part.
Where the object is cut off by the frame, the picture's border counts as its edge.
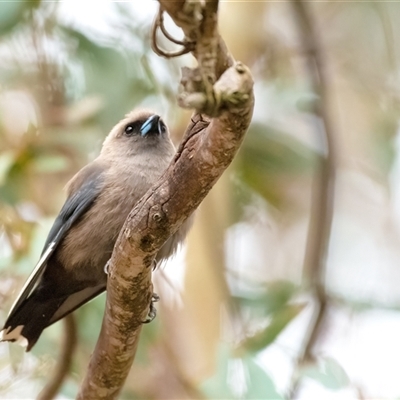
(208, 147)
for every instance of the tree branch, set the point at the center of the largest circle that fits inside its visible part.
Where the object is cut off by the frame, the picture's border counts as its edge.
(207, 148)
(321, 213)
(188, 17)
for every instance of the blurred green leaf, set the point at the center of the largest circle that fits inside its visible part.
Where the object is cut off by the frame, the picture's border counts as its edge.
(259, 383)
(50, 163)
(268, 158)
(217, 387)
(11, 13)
(274, 296)
(276, 151)
(278, 323)
(6, 162)
(70, 388)
(328, 373)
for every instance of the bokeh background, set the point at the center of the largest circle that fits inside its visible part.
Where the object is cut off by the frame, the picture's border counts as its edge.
(237, 303)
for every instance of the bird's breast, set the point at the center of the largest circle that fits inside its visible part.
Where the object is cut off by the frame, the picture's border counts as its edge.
(90, 242)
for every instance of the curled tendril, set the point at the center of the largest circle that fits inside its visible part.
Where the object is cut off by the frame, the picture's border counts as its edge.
(188, 46)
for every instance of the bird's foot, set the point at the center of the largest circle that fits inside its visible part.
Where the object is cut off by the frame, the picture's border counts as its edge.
(106, 267)
(152, 311)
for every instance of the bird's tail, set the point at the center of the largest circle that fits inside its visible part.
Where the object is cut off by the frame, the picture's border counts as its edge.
(26, 323)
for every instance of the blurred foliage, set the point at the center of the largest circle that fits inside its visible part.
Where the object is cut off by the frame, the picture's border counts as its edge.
(328, 373)
(224, 384)
(64, 84)
(12, 13)
(269, 158)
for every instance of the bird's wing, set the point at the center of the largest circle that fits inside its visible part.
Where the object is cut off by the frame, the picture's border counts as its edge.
(86, 188)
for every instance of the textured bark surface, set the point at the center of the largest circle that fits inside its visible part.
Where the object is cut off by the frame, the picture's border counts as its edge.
(208, 147)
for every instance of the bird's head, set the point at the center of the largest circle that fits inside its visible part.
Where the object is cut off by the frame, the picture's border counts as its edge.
(140, 131)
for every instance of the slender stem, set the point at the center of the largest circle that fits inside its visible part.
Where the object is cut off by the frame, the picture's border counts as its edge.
(64, 362)
(321, 213)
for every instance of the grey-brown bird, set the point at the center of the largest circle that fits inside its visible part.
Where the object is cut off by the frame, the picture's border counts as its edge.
(71, 270)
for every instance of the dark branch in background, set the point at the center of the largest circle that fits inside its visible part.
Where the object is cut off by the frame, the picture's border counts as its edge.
(63, 366)
(219, 88)
(321, 213)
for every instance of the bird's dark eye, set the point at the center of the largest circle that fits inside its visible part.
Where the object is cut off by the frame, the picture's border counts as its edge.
(129, 130)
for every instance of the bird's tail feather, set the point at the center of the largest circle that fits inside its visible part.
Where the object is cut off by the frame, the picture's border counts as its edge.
(27, 322)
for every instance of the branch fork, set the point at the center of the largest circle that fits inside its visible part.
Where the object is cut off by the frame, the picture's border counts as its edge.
(231, 89)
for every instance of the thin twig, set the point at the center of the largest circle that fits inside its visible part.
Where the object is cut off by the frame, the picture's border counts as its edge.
(64, 360)
(159, 24)
(321, 213)
(160, 17)
(189, 23)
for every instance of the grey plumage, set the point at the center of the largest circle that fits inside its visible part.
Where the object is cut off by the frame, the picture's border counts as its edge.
(100, 196)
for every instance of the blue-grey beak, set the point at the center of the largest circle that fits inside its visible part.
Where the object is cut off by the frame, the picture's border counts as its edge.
(150, 125)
